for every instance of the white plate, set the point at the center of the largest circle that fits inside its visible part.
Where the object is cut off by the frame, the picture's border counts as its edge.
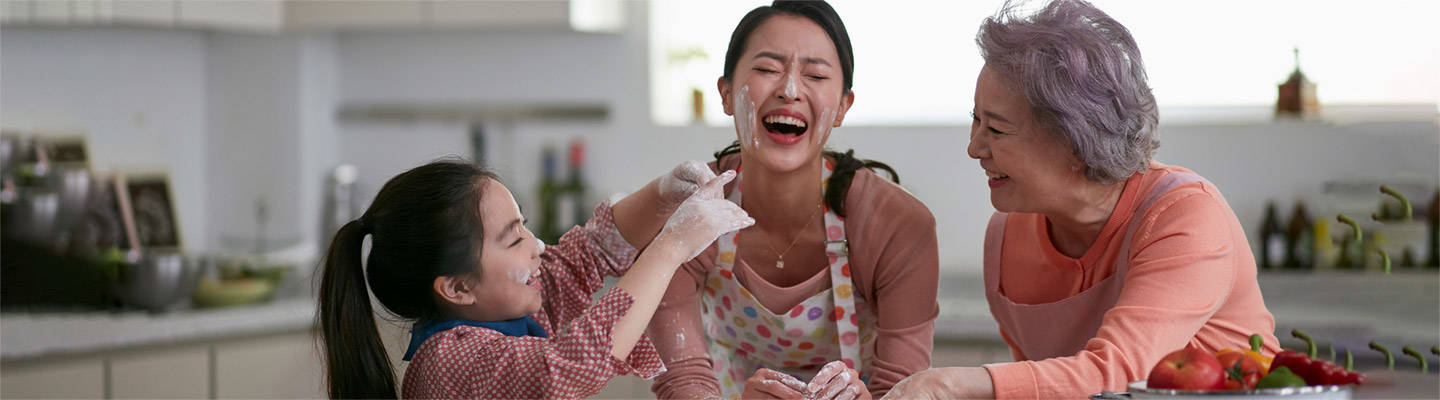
(1339, 392)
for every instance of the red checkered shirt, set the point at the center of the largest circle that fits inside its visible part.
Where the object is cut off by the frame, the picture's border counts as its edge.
(574, 362)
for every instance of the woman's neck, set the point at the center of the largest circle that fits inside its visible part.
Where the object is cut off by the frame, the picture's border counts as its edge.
(1076, 225)
(783, 202)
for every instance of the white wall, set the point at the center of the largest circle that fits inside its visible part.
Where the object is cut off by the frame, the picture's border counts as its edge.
(1251, 162)
(272, 99)
(274, 135)
(139, 94)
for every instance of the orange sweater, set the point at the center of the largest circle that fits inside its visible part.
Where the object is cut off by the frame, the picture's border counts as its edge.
(1191, 282)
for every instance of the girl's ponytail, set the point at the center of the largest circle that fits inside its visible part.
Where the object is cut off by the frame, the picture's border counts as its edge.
(355, 357)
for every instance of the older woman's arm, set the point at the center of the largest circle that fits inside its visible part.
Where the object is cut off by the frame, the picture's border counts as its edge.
(1183, 271)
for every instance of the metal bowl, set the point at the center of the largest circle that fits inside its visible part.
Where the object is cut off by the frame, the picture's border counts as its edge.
(1345, 392)
(34, 217)
(157, 280)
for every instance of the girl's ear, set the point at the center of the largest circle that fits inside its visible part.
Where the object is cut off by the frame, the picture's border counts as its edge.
(457, 290)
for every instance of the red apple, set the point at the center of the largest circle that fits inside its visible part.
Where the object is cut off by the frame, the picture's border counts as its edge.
(1188, 369)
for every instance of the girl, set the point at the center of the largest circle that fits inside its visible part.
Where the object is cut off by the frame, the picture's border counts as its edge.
(498, 315)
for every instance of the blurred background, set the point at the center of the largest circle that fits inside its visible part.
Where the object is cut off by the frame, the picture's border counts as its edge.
(173, 168)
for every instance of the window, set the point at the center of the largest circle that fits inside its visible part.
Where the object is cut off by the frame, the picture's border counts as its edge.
(916, 60)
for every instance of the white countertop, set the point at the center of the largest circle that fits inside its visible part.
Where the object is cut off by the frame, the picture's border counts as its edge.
(27, 335)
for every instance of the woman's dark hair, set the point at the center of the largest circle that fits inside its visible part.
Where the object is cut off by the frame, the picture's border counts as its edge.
(817, 11)
(424, 223)
(822, 14)
(845, 166)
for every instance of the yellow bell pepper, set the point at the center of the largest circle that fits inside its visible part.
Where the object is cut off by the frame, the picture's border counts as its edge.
(1256, 343)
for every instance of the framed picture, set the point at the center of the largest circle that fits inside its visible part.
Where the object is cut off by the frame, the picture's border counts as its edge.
(151, 208)
(67, 149)
(60, 147)
(105, 223)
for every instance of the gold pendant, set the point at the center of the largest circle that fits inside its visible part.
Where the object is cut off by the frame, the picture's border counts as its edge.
(780, 264)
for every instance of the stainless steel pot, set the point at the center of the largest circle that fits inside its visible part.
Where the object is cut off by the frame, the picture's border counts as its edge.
(158, 280)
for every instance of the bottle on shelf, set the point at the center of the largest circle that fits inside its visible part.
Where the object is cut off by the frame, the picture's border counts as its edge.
(1325, 250)
(1299, 244)
(1346, 260)
(1407, 258)
(1272, 239)
(1433, 215)
(577, 203)
(550, 191)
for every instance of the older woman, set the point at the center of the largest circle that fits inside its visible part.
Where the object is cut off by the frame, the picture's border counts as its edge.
(1099, 261)
(836, 281)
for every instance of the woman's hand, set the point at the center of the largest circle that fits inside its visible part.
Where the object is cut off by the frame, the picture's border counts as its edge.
(836, 381)
(701, 219)
(680, 183)
(945, 383)
(771, 384)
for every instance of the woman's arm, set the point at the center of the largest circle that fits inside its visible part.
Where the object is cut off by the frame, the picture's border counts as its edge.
(905, 297)
(636, 215)
(680, 338)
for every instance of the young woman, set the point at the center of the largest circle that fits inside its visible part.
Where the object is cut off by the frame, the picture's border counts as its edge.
(841, 266)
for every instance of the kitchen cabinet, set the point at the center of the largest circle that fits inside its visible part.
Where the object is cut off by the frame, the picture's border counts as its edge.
(252, 15)
(353, 14)
(78, 378)
(279, 15)
(179, 373)
(286, 366)
(555, 14)
(262, 15)
(139, 12)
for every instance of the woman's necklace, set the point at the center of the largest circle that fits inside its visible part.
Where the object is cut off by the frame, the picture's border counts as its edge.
(780, 262)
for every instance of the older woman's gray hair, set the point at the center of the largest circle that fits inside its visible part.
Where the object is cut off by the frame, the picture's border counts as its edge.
(1082, 74)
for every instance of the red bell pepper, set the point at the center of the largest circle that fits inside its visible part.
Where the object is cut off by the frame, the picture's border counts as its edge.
(1315, 371)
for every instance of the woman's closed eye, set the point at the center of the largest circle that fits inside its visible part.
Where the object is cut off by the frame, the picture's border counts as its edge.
(976, 118)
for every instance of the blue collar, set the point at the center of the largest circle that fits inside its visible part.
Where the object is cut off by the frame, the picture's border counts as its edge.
(524, 326)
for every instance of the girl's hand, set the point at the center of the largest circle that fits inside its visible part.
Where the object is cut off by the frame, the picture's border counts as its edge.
(771, 384)
(680, 183)
(836, 381)
(701, 219)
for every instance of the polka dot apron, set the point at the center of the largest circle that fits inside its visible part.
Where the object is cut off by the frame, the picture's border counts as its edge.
(835, 324)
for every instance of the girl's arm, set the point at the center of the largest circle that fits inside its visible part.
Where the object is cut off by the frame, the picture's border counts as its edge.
(469, 362)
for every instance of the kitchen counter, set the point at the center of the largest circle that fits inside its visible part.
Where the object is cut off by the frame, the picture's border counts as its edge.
(1345, 309)
(32, 335)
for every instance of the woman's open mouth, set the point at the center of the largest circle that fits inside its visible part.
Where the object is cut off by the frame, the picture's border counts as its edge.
(997, 179)
(785, 127)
